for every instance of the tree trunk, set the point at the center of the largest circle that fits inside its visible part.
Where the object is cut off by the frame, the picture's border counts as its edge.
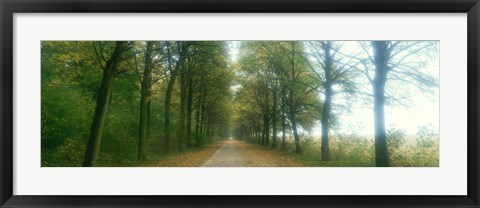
(381, 59)
(202, 122)
(197, 121)
(144, 100)
(205, 123)
(181, 129)
(291, 106)
(259, 137)
(327, 105)
(293, 119)
(168, 97)
(251, 134)
(105, 91)
(284, 121)
(208, 131)
(284, 124)
(264, 131)
(267, 128)
(274, 121)
(149, 120)
(325, 123)
(190, 110)
(203, 116)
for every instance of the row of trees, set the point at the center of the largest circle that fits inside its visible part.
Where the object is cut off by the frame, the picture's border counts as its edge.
(294, 83)
(188, 83)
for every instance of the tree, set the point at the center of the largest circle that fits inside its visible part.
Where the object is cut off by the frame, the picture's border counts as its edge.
(110, 71)
(173, 69)
(145, 100)
(296, 87)
(396, 60)
(68, 99)
(98, 103)
(329, 71)
(381, 56)
(273, 67)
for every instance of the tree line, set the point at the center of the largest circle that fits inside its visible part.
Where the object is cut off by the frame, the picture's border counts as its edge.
(121, 103)
(292, 84)
(166, 96)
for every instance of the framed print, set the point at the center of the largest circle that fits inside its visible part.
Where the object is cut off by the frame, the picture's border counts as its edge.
(239, 104)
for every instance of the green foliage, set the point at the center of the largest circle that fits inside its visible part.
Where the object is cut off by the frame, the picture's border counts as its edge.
(66, 108)
(68, 154)
(427, 151)
(353, 150)
(395, 140)
(417, 151)
(71, 76)
(214, 98)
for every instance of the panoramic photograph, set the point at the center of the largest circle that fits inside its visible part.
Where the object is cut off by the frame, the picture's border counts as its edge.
(299, 103)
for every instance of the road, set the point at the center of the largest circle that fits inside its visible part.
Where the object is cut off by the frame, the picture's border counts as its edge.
(235, 153)
(229, 155)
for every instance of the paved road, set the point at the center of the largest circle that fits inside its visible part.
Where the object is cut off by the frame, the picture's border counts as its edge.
(229, 155)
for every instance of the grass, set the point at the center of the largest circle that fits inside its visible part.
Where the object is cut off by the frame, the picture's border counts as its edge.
(359, 152)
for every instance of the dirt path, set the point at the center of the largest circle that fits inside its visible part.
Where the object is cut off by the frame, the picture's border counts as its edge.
(234, 153)
(186, 159)
(228, 155)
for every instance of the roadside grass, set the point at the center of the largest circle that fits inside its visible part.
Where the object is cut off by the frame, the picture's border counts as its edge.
(359, 152)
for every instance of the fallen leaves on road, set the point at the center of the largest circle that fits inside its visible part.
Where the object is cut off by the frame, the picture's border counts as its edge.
(254, 156)
(187, 159)
(257, 156)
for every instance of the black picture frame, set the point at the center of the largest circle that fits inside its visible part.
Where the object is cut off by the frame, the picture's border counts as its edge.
(9, 7)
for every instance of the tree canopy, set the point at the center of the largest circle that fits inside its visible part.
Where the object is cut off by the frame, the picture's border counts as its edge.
(128, 103)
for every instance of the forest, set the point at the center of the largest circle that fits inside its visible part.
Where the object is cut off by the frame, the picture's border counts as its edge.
(240, 103)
